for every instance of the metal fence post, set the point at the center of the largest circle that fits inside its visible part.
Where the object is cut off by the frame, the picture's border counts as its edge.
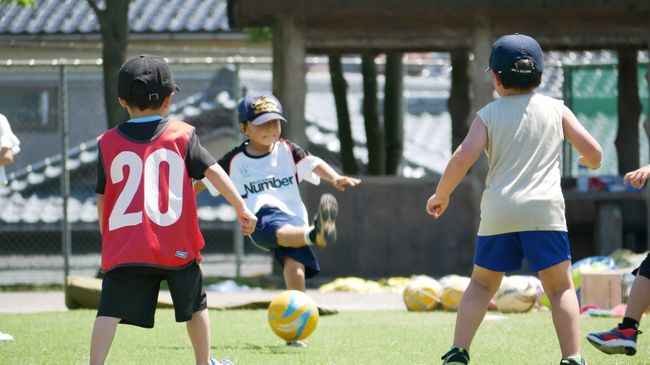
(238, 238)
(65, 174)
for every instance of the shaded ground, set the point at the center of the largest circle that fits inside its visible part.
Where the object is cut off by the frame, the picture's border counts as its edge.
(47, 301)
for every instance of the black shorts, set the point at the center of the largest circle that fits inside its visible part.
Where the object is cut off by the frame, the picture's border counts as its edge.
(131, 293)
(644, 269)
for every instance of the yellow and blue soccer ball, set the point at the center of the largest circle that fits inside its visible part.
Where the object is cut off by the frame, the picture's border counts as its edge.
(293, 315)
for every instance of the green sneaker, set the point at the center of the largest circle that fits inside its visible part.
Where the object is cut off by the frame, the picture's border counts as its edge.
(568, 361)
(456, 356)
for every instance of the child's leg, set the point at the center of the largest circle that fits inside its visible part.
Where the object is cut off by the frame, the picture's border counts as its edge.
(294, 274)
(558, 285)
(102, 338)
(291, 236)
(473, 305)
(639, 298)
(199, 330)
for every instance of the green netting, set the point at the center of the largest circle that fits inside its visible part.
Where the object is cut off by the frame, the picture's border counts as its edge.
(591, 92)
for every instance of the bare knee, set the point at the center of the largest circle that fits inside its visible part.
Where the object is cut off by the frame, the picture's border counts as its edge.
(293, 268)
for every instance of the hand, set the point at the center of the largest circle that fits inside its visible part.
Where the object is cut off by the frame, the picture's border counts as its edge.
(582, 162)
(341, 181)
(638, 177)
(436, 205)
(247, 221)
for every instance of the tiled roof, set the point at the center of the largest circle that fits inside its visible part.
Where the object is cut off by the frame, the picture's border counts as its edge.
(427, 147)
(145, 16)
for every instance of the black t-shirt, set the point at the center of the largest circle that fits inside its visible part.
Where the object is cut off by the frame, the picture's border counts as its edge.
(197, 158)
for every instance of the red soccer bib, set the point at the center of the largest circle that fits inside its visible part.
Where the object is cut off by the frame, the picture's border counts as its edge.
(149, 215)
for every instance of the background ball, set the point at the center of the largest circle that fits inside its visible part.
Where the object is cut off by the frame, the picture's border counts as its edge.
(453, 288)
(422, 293)
(293, 315)
(517, 294)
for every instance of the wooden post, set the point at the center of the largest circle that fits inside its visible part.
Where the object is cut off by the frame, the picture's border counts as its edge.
(609, 227)
(459, 102)
(289, 72)
(646, 192)
(629, 111)
(482, 88)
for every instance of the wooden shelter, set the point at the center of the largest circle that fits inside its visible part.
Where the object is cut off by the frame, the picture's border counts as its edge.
(466, 29)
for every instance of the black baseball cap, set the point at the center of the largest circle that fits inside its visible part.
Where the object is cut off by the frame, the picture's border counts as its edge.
(145, 78)
(512, 47)
(259, 107)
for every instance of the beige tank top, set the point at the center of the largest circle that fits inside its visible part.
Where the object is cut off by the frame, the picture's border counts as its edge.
(523, 191)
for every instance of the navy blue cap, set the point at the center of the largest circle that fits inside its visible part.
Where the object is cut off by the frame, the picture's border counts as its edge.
(259, 107)
(512, 47)
(145, 77)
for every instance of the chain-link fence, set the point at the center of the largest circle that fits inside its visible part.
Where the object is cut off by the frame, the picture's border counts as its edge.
(58, 105)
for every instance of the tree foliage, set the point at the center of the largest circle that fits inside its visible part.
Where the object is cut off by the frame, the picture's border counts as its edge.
(19, 2)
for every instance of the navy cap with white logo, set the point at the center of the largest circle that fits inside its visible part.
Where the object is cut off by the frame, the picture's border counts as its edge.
(512, 47)
(259, 107)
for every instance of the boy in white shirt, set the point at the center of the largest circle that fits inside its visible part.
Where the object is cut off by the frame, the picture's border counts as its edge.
(266, 170)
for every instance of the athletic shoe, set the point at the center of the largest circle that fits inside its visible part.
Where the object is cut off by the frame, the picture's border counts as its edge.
(615, 341)
(301, 343)
(567, 361)
(214, 361)
(324, 223)
(6, 337)
(456, 356)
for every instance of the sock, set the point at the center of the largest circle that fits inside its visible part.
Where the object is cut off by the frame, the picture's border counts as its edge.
(461, 349)
(310, 236)
(629, 323)
(577, 358)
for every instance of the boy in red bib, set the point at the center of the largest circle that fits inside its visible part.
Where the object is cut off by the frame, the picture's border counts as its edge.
(147, 211)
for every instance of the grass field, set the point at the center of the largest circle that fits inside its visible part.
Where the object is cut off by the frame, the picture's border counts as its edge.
(348, 338)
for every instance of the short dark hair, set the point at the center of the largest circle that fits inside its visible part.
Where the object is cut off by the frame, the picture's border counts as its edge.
(142, 101)
(523, 75)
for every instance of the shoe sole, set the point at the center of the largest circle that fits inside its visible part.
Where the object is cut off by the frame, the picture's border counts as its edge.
(611, 347)
(328, 210)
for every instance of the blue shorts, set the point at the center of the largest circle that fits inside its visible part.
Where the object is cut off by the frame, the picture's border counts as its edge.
(269, 220)
(505, 252)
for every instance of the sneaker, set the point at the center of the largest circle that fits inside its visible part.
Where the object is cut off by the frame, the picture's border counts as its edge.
(615, 341)
(567, 361)
(324, 223)
(214, 361)
(6, 337)
(301, 343)
(456, 356)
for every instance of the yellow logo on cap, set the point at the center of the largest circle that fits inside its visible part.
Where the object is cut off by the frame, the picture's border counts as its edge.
(265, 105)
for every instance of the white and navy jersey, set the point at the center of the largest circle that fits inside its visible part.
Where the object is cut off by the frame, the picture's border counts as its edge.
(272, 179)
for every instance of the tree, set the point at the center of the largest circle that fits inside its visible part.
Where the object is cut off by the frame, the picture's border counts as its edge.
(374, 128)
(114, 27)
(394, 111)
(339, 89)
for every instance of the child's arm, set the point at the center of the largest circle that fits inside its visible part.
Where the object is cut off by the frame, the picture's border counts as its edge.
(326, 172)
(637, 177)
(100, 208)
(463, 158)
(589, 149)
(6, 156)
(218, 177)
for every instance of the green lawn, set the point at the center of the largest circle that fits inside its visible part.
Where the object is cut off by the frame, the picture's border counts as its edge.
(349, 338)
